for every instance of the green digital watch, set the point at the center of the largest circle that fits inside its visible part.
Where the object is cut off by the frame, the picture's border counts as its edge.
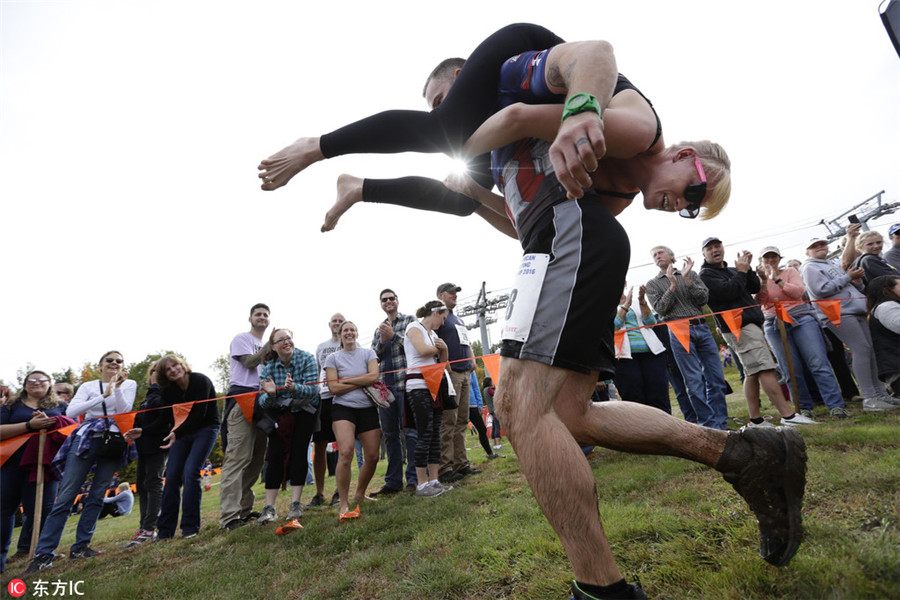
(579, 103)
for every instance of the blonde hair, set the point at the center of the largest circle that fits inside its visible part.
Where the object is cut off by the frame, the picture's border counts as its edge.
(48, 400)
(717, 167)
(865, 236)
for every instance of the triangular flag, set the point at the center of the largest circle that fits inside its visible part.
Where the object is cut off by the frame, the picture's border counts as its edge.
(734, 318)
(124, 421)
(180, 412)
(246, 402)
(832, 310)
(618, 338)
(9, 447)
(782, 313)
(492, 366)
(681, 329)
(433, 375)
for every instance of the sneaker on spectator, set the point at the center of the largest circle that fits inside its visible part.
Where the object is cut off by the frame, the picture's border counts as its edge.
(336, 499)
(235, 524)
(450, 477)
(877, 404)
(806, 413)
(140, 536)
(317, 500)
(254, 515)
(429, 491)
(890, 399)
(798, 419)
(438, 484)
(839, 412)
(498, 446)
(296, 510)
(84, 552)
(39, 563)
(763, 424)
(268, 514)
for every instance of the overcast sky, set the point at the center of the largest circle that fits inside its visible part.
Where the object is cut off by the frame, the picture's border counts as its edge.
(130, 134)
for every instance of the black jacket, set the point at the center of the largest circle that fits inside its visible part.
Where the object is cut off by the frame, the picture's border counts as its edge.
(728, 289)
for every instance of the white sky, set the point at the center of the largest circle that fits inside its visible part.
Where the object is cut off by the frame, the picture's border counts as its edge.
(130, 134)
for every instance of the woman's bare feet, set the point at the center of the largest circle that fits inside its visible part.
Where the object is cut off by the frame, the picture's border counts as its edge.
(349, 192)
(279, 168)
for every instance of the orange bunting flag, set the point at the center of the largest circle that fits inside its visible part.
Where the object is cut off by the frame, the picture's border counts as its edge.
(246, 401)
(432, 375)
(681, 329)
(619, 337)
(782, 313)
(734, 318)
(125, 421)
(492, 366)
(181, 412)
(832, 310)
(9, 447)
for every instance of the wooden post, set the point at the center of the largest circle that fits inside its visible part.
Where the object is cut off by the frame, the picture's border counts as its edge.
(795, 396)
(38, 493)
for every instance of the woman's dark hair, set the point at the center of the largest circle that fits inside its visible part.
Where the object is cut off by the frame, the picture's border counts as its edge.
(880, 290)
(272, 354)
(429, 307)
(487, 382)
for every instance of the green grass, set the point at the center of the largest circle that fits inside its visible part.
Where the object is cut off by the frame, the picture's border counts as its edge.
(676, 525)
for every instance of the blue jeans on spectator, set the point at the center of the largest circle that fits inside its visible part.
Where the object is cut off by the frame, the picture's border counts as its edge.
(391, 428)
(15, 489)
(186, 458)
(808, 352)
(77, 468)
(703, 376)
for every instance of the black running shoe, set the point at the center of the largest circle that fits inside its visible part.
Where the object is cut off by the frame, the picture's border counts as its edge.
(631, 592)
(39, 563)
(767, 467)
(84, 552)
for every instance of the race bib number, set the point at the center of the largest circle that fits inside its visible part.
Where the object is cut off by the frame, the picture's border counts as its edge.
(463, 334)
(524, 297)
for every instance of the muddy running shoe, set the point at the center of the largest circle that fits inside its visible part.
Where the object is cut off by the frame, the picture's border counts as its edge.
(268, 514)
(317, 500)
(767, 467)
(630, 592)
(839, 412)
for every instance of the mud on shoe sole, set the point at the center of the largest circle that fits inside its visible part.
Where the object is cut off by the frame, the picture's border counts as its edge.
(767, 467)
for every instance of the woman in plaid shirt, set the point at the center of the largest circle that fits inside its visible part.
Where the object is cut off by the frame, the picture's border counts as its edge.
(294, 407)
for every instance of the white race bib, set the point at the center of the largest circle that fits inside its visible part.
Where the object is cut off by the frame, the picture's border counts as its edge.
(524, 297)
(463, 334)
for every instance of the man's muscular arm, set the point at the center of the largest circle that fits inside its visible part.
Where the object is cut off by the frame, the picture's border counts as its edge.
(573, 68)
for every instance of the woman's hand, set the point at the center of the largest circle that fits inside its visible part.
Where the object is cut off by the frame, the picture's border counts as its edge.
(168, 441)
(440, 344)
(289, 383)
(268, 386)
(39, 420)
(132, 434)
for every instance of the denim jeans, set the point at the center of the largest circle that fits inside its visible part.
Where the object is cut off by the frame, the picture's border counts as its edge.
(186, 458)
(808, 353)
(681, 394)
(703, 376)
(391, 428)
(15, 489)
(77, 468)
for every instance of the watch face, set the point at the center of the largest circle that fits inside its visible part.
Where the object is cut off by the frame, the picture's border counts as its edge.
(578, 101)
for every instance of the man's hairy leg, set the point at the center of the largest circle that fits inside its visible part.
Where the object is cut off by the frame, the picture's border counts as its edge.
(559, 475)
(279, 168)
(349, 192)
(636, 428)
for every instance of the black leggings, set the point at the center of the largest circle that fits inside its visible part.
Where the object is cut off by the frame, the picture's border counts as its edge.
(471, 100)
(295, 456)
(478, 422)
(428, 426)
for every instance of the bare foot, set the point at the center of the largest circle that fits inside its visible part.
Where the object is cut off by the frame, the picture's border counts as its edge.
(349, 192)
(279, 168)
